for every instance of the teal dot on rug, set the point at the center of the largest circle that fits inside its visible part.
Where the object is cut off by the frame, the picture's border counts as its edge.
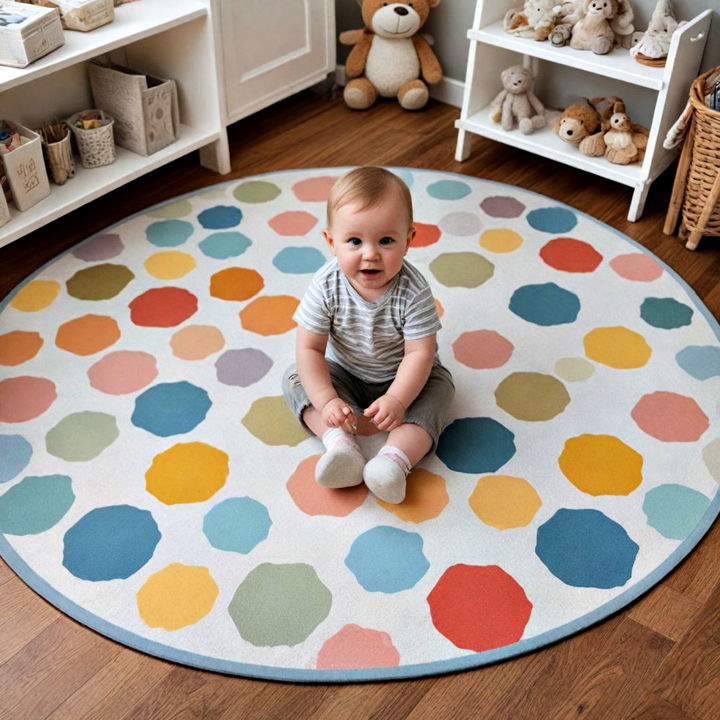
(279, 604)
(82, 436)
(448, 190)
(168, 233)
(476, 445)
(700, 361)
(665, 313)
(546, 304)
(224, 245)
(299, 260)
(552, 219)
(35, 504)
(242, 367)
(220, 216)
(674, 510)
(171, 408)
(388, 560)
(110, 543)
(585, 548)
(237, 525)
(15, 454)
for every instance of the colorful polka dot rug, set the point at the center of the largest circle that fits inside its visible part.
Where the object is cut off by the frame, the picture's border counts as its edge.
(155, 487)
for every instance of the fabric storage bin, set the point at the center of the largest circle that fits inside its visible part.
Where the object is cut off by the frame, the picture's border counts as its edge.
(145, 108)
(4, 210)
(25, 168)
(28, 33)
(95, 145)
(81, 15)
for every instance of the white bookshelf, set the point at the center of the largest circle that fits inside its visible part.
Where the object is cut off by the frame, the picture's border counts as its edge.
(654, 96)
(167, 39)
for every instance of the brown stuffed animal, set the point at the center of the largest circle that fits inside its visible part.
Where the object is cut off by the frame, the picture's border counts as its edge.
(577, 122)
(517, 100)
(389, 57)
(604, 23)
(625, 141)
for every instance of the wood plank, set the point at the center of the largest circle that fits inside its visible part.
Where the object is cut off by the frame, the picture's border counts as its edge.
(666, 611)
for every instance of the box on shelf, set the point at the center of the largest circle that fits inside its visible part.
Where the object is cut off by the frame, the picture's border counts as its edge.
(145, 108)
(25, 168)
(4, 210)
(81, 15)
(28, 32)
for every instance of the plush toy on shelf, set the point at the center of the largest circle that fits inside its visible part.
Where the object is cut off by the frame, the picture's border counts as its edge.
(653, 45)
(518, 101)
(390, 58)
(569, 13)
(625, 141)
(535, 20)
(604, 24)
(580, 125)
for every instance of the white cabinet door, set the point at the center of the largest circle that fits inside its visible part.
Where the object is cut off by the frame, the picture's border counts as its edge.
(271, 49)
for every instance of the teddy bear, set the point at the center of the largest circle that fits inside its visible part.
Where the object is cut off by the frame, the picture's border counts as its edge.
(604, 24)
(536, 19)
(517, 100)
(578, 122)
(568, 14)
(624, 140)
(389, 57)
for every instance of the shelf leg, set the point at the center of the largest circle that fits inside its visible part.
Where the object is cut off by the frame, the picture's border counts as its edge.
(637, 204)
(462, 149)
(678, 191)
(216, 156)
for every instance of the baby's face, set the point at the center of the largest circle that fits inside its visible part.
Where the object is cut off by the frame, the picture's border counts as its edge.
(370, 244)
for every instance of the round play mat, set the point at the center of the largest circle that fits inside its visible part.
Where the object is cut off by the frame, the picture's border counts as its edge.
(154, 486)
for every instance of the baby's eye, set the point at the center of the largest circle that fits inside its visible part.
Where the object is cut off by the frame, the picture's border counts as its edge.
(387, 240)
(354, 241)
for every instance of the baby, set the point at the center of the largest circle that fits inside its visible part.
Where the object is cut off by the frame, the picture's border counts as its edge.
(366, 340)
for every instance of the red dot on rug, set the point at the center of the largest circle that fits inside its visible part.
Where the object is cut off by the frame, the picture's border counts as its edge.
(479, 607)
(425, 235)
(570, 255)
(163, 307)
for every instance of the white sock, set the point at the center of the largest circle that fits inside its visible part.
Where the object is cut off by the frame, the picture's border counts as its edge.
(386, 474)
(342, 464)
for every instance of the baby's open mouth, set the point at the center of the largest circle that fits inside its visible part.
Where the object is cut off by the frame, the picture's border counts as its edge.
(369, 272)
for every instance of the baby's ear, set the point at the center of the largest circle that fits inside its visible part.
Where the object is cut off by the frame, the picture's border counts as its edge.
(328, 238)
(411, 234)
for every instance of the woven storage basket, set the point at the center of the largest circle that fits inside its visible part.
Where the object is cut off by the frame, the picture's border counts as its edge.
(704, 164)
(96, 146)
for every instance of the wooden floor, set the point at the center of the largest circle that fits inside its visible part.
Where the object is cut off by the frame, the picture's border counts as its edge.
(659, 659)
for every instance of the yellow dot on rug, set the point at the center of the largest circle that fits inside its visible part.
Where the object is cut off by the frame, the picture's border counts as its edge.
(617, 347)
(504, 502)
(36, 295)
(170, 264)
(187, 473)
(178, 596)
(601, 465)
(271, 315)
(501, 240)
(426, 497)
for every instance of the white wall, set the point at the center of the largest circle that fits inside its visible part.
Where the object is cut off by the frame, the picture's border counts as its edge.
(449, 22)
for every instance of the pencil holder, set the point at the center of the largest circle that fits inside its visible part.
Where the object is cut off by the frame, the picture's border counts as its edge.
(96, 145)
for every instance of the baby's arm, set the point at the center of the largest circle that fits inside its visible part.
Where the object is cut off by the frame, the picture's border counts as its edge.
(388, 410)
(315, 378)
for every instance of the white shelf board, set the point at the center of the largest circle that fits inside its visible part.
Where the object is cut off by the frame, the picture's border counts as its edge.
(546, 143)
(89, 184)
(617, 64)
(133, 21)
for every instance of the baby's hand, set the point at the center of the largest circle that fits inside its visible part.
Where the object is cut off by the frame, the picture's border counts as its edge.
(386, 412)
(337, 413)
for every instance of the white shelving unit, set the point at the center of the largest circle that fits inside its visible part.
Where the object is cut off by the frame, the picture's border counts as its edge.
(167, 39)
(654, 96)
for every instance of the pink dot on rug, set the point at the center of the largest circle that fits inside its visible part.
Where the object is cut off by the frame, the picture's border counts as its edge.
(313, 499)
(101, 247)
(293, 223)
(314, 189)
(479, 607)
(163, 307)
(425, 235)
(482, 349)
(122, 372)
(670, 417)
(24, 398)
(636, 266)
(570, 255)
(357, 647)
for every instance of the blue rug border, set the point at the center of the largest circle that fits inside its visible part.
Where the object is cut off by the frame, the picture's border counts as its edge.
(403, 672)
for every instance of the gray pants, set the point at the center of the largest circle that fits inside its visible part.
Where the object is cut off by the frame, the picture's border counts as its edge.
(429, 410)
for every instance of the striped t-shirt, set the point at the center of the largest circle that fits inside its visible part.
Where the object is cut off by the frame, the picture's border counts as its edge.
(368, 338)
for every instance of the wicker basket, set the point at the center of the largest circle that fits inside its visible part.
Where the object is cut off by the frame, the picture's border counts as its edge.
(698, 175)
(96, 146)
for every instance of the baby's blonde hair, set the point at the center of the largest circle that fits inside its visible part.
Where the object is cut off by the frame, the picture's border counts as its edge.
(367, 185)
